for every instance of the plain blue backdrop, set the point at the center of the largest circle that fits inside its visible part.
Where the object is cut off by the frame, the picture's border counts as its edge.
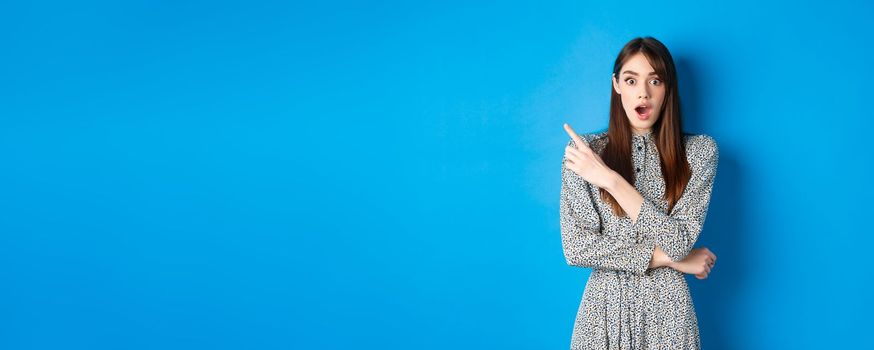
(268, 175)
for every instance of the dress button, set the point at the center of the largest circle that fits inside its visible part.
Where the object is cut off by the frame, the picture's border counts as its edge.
(639, 148)
(638, 169)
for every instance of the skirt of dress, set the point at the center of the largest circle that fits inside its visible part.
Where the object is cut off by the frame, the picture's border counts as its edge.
(622, 310)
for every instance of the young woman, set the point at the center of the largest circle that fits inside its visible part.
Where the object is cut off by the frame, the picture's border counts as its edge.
(633, 201)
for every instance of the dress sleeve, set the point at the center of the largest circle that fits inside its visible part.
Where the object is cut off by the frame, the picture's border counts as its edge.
(583, 243)
(677, 232)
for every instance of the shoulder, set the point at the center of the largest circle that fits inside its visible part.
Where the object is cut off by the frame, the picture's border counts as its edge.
(701, 148)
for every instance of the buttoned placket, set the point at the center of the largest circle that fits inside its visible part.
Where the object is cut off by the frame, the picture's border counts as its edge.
(639, 149)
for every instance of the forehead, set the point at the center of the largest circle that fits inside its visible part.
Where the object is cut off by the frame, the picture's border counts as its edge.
(639, 64)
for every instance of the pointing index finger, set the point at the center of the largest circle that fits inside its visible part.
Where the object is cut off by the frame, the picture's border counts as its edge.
(578, 141)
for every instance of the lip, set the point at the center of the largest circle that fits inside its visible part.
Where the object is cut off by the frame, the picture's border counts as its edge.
(648, 112)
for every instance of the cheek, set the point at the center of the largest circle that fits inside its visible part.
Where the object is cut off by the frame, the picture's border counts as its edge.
(628, 102)
(660, 97)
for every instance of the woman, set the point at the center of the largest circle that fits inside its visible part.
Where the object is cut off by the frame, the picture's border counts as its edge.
(633, 201)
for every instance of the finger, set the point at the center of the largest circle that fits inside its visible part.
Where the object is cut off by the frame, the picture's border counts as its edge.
(577, 153)
(578, 141)
(569, 165)
(573, 154)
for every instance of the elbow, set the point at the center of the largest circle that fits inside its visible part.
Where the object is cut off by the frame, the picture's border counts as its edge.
(576, 259)
(577, 263)
(569, 259)
(571, 262)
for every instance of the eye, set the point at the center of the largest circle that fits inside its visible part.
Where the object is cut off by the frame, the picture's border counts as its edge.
(656, 82)
(631, 79)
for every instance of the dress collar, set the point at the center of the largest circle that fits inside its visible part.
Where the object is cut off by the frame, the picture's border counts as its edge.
(642, 137)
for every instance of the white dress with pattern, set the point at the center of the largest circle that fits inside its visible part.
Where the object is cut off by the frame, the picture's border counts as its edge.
(625, 304)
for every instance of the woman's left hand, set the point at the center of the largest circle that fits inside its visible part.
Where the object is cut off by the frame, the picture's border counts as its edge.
(699, 262)
(586, 163)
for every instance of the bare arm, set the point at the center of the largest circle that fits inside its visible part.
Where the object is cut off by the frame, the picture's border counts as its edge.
(630, 200)
(626, 194)
(660, 258)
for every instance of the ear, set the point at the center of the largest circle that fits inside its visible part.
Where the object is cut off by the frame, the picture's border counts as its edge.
(615, 84)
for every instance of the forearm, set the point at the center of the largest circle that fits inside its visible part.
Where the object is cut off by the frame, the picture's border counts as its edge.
(627, 196)
(660, 259)
(630, 200)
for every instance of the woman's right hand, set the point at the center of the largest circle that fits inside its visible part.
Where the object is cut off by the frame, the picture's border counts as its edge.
(699, 262)
(583, 161)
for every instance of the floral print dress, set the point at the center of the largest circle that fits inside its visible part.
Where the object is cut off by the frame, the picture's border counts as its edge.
(625, 304)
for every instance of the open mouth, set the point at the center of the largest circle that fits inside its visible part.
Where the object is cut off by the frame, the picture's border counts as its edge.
(643, 112)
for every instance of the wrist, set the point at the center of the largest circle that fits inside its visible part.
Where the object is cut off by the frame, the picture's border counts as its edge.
(613, 182)
(661, 259)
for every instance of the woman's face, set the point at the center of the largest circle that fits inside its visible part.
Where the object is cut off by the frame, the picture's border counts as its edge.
(639, 86)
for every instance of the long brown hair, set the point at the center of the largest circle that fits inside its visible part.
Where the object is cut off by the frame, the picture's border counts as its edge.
(667, 131)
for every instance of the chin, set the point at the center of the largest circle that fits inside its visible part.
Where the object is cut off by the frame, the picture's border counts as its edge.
(643, 125)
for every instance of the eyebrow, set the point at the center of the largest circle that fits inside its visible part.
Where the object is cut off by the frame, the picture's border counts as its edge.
(635, 73)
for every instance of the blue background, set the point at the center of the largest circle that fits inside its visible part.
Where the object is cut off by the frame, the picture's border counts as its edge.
(386, 175)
